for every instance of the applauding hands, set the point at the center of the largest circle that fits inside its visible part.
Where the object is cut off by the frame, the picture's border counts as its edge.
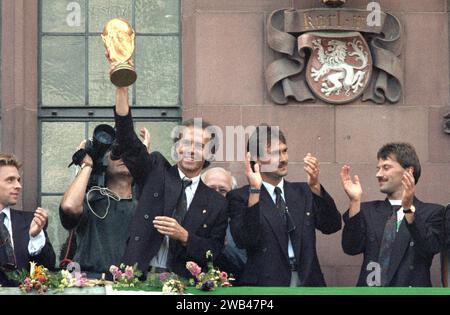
(39, 222)
(312, 170)
(352, 189)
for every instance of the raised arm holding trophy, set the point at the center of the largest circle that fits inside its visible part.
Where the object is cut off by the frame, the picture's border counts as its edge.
(118, 37)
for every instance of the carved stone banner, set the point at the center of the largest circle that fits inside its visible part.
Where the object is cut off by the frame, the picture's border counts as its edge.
(348, 56)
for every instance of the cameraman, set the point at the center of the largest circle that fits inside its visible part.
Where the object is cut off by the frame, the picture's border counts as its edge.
(100, 223)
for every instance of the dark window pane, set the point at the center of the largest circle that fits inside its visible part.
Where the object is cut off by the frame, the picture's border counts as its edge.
(101, 11)
(156, 16)
(59, 143)
(63, 71)
(157, 65)
(63, 16)
(56, 233)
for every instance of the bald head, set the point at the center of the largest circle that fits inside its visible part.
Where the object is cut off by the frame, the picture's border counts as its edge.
(218, 179)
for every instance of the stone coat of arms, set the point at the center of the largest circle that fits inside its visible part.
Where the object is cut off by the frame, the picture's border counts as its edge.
(333, 55)
(340, 65)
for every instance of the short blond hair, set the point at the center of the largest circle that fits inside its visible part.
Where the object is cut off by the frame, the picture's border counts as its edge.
(9, 160)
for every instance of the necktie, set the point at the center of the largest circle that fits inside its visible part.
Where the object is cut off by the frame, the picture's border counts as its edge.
(181, 209)
(5, 244)
(389, 235)
(178, 214)
(284, 212)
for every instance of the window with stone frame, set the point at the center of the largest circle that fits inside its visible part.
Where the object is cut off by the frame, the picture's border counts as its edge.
(75, 92)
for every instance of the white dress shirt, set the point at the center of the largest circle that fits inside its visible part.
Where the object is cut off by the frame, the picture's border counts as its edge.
(160, 260)
(191, 189)
(271, 190)
(35, 244)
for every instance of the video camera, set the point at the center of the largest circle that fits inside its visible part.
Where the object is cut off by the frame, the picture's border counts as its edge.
(102, 140)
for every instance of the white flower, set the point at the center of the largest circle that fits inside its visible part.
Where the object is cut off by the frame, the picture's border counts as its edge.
(32, 269)
(167, 288)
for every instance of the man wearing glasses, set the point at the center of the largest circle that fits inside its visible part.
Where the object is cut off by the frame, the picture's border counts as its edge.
(275, 220)
(232, 259)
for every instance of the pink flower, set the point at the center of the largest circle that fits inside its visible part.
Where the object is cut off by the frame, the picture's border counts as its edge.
(115, 271)
(129, 273)
(81, 282)
(164, 276)
(226, 284)
(193, 268)
(223, 277)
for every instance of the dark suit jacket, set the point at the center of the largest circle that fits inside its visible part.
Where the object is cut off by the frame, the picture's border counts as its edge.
(261, 231)
(20, 221)
(414, 247)
(232, 259)
(160, 187)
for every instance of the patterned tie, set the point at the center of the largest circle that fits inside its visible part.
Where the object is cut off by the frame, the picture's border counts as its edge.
(5, 244)
(181, 209)
(389, 235)
(281, 206)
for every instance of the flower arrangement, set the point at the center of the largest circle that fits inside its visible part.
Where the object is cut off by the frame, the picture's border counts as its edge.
(169, 282)
(67, 279)
(128, 277)
(36, 280)
(125, 276)
(40, 279)
(172, 286)
(211, 279)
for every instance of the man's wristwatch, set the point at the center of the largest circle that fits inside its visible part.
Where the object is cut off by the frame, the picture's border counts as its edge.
(254, 190)
(410, 210)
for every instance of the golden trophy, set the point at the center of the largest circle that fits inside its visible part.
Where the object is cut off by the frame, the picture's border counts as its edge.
(118, 37)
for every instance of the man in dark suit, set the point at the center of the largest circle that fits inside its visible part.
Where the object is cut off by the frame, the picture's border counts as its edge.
(398, 236)
(178, 218)
(232, 259)
(446, 250)
(22, 235)
(275, 220)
